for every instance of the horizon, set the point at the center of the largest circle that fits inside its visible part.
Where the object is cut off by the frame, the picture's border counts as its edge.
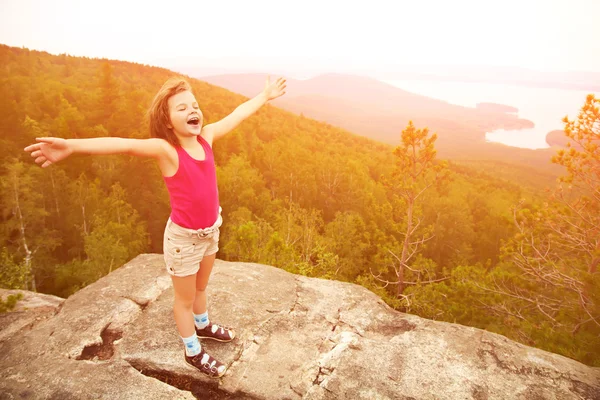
(262, 37)
(305, 74)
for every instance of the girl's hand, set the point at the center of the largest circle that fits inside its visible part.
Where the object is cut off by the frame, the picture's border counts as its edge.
(49, 151)
(275, 89)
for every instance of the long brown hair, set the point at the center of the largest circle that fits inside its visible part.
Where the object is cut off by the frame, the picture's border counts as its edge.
(158, 113)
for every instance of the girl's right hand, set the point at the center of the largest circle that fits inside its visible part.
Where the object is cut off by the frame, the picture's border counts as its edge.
(51, 150)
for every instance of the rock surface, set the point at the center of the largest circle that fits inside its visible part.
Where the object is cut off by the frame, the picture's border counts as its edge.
(298, 338)
(31, 309)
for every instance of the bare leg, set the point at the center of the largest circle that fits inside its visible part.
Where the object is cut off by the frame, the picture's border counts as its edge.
(202, 277)
(219, 333)
(185, 288)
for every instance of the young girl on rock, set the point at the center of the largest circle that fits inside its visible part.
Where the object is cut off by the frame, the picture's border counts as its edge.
(183, 149)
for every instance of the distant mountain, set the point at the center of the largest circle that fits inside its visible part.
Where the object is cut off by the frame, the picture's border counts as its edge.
(569, 80)
(375, 109)
(381, 111)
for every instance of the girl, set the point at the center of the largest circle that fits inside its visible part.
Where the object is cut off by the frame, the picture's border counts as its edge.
(183, 149)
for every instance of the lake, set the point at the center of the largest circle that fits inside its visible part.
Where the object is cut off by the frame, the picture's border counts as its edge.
(544, 107)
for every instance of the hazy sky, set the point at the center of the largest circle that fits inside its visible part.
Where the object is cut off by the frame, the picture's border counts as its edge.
(548, 35)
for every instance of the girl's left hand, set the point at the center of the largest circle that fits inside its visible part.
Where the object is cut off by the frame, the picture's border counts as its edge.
(275, 89)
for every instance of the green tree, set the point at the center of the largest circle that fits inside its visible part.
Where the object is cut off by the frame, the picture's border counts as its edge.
(241, 185)
(300, 229)
(415, 172)
(245, 237)
(348, 239)
(13, 275)
(10, 303)
(24, 215)
(117, 235)
(557, 246)
(579, 190)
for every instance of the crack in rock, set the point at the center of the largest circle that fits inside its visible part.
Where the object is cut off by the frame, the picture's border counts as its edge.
(336, 320)
(145, 298)
(296, 301)
(319, 391)
(317, 373)
(246, 345)
(359, 331)
(321, 374)
(328, 361)
(103, 351)
(199, 388)
(297, 391)
(317, 381)
(58, 309)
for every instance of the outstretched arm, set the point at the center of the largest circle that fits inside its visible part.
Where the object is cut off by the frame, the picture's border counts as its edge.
(212, 132)
(51, 150)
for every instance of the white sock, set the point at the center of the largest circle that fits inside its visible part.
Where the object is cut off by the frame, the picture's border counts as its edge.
(192, 345)
(201, 320)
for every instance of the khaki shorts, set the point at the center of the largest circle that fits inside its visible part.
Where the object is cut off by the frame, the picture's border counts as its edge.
(184, 248)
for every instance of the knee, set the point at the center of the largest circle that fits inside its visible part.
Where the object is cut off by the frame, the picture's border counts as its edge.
(200, 290)
(185, 304)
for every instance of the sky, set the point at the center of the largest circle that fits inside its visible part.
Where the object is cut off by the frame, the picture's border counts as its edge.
(549, 35)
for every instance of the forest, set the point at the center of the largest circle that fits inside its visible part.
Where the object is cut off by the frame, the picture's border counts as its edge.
(446, 240)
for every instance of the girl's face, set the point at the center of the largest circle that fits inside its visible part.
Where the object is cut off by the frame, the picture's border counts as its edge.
(185, 115)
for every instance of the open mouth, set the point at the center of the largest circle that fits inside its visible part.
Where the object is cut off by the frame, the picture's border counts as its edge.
(194, 121)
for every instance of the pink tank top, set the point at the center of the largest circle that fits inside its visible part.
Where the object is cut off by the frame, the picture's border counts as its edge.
(193, 191)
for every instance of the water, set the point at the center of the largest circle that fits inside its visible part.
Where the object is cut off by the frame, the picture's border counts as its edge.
(544, 107)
